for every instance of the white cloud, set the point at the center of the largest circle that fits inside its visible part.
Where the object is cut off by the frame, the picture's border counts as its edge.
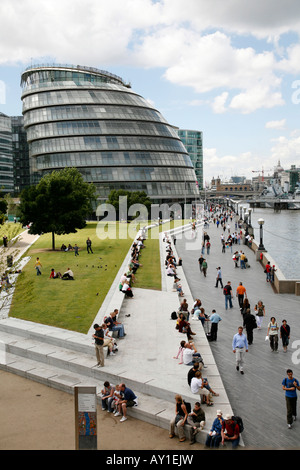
(279, 125)
(189, 39)
(218, 104)
(287, 149)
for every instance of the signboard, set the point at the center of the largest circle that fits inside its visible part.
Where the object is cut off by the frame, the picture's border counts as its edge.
(86, 418)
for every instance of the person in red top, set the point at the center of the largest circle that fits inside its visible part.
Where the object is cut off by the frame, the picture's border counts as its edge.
(230, 431)
(268, 271)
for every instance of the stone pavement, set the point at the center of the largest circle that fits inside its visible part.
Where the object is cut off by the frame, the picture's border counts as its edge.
(256, 396)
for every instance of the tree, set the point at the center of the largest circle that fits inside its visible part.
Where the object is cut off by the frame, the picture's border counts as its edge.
(133, 197)
(3, 209)
(59, 203)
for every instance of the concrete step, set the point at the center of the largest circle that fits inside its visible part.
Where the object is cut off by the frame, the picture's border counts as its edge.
(150, 409)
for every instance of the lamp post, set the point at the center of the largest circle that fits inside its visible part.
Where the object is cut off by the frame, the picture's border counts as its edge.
(261, 245)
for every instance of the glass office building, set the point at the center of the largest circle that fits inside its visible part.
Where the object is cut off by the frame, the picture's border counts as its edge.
(20, 154)
(91, 119)
(193, 142)
(6, 155)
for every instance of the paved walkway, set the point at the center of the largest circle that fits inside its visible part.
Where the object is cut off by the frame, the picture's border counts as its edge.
(257, 396)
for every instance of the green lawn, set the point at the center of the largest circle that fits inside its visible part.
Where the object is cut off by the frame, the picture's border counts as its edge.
(11, 230)
(69, 304)
(149, 276)
(74, 304)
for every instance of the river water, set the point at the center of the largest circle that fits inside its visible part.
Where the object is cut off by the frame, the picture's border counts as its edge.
(281, 238)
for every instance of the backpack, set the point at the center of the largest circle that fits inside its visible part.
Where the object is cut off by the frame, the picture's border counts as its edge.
(226, 291)
(188, 406)
(238, 420)
(173, 316)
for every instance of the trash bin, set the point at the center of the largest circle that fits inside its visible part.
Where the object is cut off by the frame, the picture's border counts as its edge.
(9, 261)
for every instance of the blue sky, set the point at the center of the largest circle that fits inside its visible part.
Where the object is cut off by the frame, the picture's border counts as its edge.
(230, 68)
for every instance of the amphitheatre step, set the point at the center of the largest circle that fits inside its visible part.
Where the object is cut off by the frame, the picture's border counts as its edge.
(150, 409)
(35, 347)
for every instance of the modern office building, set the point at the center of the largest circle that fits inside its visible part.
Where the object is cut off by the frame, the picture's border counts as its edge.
(193, 142)
(90, 119)
(20, 154)
(6, 156)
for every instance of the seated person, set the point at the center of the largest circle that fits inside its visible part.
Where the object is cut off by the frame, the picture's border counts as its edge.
(197, 386)
(196, 419)
(183, 326)
(214, 437)
(63, 247)
(230, 431)
(171, 271)
(54, 275)
(107, 396)
(128, 399)
(126, 289)
(108, 340)
(68, 275)
(190, 354)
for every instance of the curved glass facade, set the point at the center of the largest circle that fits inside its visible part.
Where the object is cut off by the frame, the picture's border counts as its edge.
(92, 120)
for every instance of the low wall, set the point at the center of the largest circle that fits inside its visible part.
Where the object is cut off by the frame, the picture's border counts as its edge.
(281, 284)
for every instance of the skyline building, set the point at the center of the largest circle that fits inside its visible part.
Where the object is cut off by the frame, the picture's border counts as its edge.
(82, 117)
(193, 142)
(6, 155)
(20, 154)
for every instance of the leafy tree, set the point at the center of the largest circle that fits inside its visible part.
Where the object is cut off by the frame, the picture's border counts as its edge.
(59, 203)
(133, 197)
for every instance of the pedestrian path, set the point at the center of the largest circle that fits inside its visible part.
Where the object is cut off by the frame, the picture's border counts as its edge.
(257, 396)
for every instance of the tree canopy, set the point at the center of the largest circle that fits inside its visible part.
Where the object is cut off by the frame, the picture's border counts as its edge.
(60, 203)
(133, 197)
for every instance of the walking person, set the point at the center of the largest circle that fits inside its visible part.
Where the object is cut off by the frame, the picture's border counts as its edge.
(227, 291)
(200, 261)
(290, 385)
(214, 319)
(260, 313)
(219, 277)
(239, 347)
(89, 245)
(250, 324)
(204, 267)
(285, 334)
(272, 334)
(38, 266)
(241, 293)
(99, 342)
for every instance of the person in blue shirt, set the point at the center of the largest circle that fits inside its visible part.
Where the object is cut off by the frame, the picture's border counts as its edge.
(290, 385)
(214, 319)
(214, 436)
(128, 399)
(239, 347)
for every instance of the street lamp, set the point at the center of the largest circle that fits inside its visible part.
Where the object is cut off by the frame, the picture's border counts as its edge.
(261, 223)
(249, 210)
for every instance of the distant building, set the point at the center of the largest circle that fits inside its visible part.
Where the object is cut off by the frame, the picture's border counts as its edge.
(193, 142)
(20, 154)
(6, 156)
(294, 178)
(91, 119)
(231, 188)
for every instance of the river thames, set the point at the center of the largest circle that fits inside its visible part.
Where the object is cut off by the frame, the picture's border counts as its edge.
(281, 238)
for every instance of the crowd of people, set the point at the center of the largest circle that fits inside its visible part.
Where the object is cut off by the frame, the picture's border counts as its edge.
(252, 317)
